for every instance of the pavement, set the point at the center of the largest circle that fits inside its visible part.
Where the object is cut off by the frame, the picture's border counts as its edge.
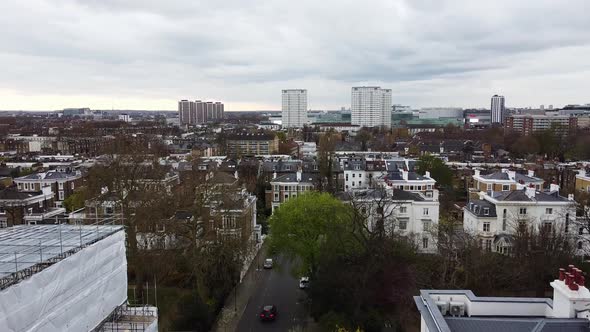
(261, 287)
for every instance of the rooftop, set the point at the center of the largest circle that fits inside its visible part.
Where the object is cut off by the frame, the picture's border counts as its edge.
(27, 249)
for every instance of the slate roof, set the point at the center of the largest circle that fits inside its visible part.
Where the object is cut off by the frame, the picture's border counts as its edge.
(51, 175)
(280, 166)
(412, 176)
(520, 324)
(521, 178)
(477, 206)
(397, 195)
(520, 196)
(13, 194)
(292, 177)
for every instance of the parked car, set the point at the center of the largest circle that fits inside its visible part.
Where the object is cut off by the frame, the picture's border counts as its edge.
(269, 312)
(268, 263)
(304, 282)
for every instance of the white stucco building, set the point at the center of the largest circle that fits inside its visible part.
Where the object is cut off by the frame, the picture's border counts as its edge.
(462, 311)
(495, 216)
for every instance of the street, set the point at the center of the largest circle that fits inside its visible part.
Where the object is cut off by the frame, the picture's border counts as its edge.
(278, 287)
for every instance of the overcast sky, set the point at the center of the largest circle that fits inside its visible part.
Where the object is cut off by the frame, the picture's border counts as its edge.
(147, 54)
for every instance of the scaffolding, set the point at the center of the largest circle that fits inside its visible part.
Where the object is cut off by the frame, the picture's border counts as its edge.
(29, 249)
(130, 319)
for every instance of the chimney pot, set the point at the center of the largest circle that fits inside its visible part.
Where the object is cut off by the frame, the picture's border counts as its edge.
(573, 286)
(562, 274)
(582, 281)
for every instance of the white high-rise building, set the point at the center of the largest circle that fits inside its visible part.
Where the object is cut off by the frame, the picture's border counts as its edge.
(371, 106)
(294, 110)
(498, 109)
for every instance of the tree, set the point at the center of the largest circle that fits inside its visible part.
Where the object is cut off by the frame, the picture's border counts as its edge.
(437, 168)
(76, 200)
(326, 148)
(300, 226)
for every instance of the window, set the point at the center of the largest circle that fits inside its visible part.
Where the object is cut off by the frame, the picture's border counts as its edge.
(360, 183)
(429, 187)
(61, 195)
(228, 222)
(60, 185)
(488, 245)
(425, 243)
(426, 223)
(353, 175)
(72, 185)
(286, 197)
(547, 226)
(276, 187)
(548, 211)
(276, 197)
(505, 187)
(160, 228)
(346, 177)
(108, 210)
(522, 210)
(489, 187)
(486, 226)
(504, 220)
(3, 224)
(403, 224)
(403, 209)
(411, 187)
(581, 231)
(486, 211)
(580, 245)
(567, 222)
(425, 211)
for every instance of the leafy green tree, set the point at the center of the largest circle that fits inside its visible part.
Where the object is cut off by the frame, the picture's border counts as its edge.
(76, 200)
(301, 225)
(437, 168)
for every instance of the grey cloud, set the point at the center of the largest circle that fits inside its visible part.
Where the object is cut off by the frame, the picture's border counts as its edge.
(157, 48)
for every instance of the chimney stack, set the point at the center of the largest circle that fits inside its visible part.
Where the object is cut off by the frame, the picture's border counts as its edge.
(476, 172)
(553, 187)
(274, 175)
(512, 175)
(570, 294)
(570, 197)
(531, 173)
(299, 174)
(530, 192)
(405, 174)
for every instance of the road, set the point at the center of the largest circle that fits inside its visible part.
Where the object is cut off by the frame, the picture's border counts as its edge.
(275, 286)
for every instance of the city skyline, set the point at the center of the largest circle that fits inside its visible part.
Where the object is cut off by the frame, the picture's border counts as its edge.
(148, 55)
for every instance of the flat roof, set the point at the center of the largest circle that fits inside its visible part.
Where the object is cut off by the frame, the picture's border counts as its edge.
(27, 249)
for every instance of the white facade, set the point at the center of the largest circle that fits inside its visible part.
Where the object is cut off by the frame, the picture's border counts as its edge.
(497, 109)
(294, 109)
(371, 107)
(408, 214)
(440, 112)
(489, 217)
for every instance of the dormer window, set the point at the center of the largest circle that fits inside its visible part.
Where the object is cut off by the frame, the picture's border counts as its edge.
(486, 211)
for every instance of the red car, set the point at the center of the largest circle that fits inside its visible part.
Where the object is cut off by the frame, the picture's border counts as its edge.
(269, 312)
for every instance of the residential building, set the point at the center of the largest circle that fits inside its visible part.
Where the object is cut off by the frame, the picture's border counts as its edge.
(496, 215)
(240, 144)
(462, 311)
(75, 281)
(199, 112)
(62, 184)
(498, 109)
(294, 108)
(18, 208)
(529, 124)
(505, 180)
(410, 215)
(289, 185)
(371, 106)
(583, 180)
